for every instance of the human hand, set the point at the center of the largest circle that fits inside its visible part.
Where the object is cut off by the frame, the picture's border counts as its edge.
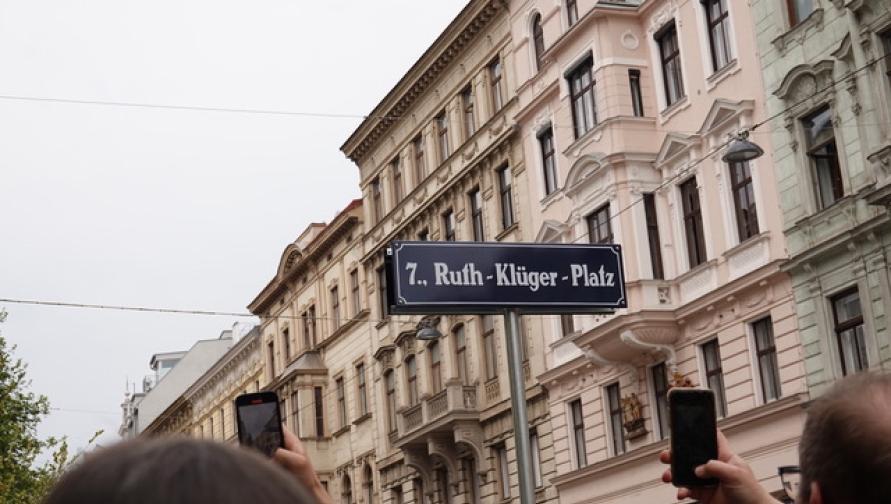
(737, 482)
(294, 459)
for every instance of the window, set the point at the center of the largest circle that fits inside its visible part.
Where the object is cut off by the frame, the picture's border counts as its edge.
(578, 434)
(448, 225)
(286, 339)
(418, 489)
(442, 478)
(567, 324)
(309, 326)
(714, 375)
(270, 352)
(548, 164)
(659, 375)
(424, 234)
(382, 292)
(491, 357)
(495, 79)
(718, 32)
(799, 10)
(282, 406)
(396, 496)
(581, 91)
(361, 386)
(354, 292)
(335, 308)
(319, 409)
(397, 181)
(435, 367)
(823, 153)
(653, 235)
(503, 471)
(766, 354)
(461, 354)
(420, 161)
(471, 479)
(538, 44)
(476, 214)
(614, 406)
(504, 190)
(670, 55)
(536, 459)
(377, 209)
(213, 434)
(341, 403)
(886, 42)
(467, 103)
(442, 133)
(368, 485)
(743, 200)
(390, 383)
(599, 230)
(295, 413)
(411, 376)
(572, 12)
(346, 490)
(223, 423)
(693, 223)
(636, 95)
(848, 318)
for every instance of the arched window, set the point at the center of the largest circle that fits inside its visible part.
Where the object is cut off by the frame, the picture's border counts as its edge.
(537, 40)
(368, 485)
(411, 377)
(346, 490)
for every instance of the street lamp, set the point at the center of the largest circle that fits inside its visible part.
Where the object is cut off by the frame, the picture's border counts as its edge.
(790, 476)
(741, 149)
(427, 330)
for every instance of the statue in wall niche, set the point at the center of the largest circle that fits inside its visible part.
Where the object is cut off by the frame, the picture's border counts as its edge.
(632, 417)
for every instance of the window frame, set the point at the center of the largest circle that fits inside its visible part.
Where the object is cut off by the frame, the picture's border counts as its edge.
(548, 159)
(448, 225)
(503, 471)
(613, 398)
(442, 135)
(535, 449)
(505, 196)
(861, 353)
(572, 13)
(468, 108)
(694, 227)
(420, 158)
(490, 351)
(715, 372)
(722, 22)
(598, 220)
(411, 380)
(746, 217)
(813, 145)
(286, 339)
(334, 294)
(434, 354)
(355, 291)
(796, 17)
(660, 388)
(577, 433)
(670, 63)
(398, 183)
(340, 388)
(538, 44)
(295, 412)
(637, 109)
(390, 395)
(461, 362)
(318, 401)
(477, 225)
(377, 200)
(361, 389)
(383, 305)
(582, 93)
(651, 219)
(496, 92)
(768, 372)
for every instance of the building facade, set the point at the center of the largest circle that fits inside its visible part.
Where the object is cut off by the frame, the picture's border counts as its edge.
(624, 109)
(826, 71)
(317, 353)
(440, 159)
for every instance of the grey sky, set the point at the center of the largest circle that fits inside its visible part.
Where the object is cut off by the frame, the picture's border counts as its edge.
(164, 207)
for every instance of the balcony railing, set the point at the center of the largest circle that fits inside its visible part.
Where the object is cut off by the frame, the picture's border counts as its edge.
(455, 398)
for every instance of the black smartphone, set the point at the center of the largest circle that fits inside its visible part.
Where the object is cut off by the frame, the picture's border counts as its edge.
(259, 421)
(694, 434)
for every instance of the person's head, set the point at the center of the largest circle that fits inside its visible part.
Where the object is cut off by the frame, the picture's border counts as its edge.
(176, 471)
(845, 450)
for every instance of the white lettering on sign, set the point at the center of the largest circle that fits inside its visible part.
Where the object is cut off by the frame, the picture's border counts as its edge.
(467, 276)
(512, 275)
(590, 279)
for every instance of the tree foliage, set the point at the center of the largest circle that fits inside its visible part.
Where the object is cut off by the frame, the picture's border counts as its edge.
(21, 481)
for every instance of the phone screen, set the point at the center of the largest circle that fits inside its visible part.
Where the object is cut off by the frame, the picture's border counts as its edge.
(259, 422)
(694, 435)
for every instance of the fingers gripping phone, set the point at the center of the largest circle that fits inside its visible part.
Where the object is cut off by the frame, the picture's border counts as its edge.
(694, 434)
(259, 421)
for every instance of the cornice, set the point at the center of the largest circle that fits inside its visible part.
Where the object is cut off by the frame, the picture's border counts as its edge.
(463, 29)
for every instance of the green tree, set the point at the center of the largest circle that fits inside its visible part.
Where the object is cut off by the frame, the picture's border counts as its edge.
(21, 481)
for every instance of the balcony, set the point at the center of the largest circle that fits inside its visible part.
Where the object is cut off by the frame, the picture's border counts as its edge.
(437, 413)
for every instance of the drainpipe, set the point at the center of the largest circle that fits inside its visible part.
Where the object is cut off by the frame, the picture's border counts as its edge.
(671, 358)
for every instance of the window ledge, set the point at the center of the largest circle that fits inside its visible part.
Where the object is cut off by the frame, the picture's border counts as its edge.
(556, 195)
(721, 74)
(362, 418)
(798, 32)
(504, 234)
(673, 109)
(345, 428)
(382, 322)
(696, 269)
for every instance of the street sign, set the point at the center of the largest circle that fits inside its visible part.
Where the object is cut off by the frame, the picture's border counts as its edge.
(471, 277)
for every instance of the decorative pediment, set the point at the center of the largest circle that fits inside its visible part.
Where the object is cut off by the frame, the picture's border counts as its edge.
(723, 111)
(844, 51)
(585, 167)
(386, 354)
(289, 259)
(673, 145)
(804, 81)
(551, 231)
(406, 341)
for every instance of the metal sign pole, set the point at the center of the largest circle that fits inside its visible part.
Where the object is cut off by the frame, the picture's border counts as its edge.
(518, 406)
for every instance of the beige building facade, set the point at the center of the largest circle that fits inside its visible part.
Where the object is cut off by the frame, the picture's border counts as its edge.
(623, 109)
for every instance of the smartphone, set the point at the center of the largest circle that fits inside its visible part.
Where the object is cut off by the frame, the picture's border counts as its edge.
(694, 434)
(259, 421)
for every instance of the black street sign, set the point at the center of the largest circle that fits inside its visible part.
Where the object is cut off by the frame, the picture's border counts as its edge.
(471, 277)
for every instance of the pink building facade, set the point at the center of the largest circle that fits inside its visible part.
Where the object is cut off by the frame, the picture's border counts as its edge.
(623, 109)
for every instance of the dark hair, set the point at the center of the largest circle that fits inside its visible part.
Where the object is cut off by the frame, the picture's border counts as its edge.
(176, 471)
(846, 443)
